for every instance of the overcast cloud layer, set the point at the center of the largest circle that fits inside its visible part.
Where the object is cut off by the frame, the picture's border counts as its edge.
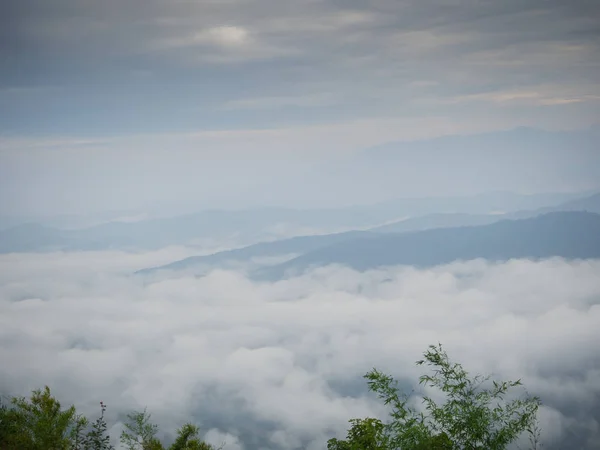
(117, 104)
(279, 365)
(170, 66)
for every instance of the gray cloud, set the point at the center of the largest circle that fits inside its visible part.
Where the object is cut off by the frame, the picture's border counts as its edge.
(279, 365)
(146, 94)
(166, 58)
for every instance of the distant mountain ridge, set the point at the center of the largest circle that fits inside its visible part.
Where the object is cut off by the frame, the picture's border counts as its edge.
(443, 220)
(564, 234)
(574, 235)
(252, 226)
(305, 244)
(295, 245)
(440, 220)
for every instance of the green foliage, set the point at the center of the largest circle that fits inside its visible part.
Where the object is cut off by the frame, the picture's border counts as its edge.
(364, 434)
(139, 433)
(187, 439)
(535, 436)
(97, 438)
(473, 417)
(438, 442)
(39, 423)
(7, 424)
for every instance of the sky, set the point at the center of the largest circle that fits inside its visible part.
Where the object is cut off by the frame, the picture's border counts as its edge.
(280, 365)
(119, 104)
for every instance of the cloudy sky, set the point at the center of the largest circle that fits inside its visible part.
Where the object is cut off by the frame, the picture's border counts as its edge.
(279, 365)
(139, 105)
(91, 90)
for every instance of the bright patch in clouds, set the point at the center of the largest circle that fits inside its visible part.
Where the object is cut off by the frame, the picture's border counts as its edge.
(226, 36)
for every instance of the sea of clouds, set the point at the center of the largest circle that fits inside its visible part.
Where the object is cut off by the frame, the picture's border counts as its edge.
(279, 365)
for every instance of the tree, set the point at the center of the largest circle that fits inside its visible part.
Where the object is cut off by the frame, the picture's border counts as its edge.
(97, 437)
(140, 435)
(7, 424)
(38, 423)
(364, 434)
(187, 439)
(473, 417)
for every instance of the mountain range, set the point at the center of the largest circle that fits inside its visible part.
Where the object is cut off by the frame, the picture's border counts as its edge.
(429, 240)
(441, 220)
(266, 224)
(573, 235)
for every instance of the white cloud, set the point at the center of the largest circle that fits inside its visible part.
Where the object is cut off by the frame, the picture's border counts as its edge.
(227, 36)
(542, 95)
(222, 44)
(282, 362)
(222, 36)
